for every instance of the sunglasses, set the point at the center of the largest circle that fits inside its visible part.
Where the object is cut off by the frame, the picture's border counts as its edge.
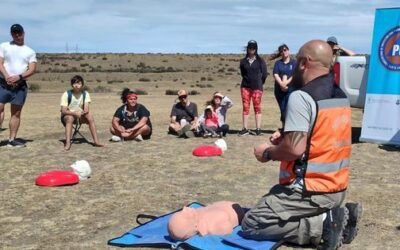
(182, 97)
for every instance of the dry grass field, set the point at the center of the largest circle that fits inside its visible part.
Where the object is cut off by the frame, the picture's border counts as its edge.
(158, 175)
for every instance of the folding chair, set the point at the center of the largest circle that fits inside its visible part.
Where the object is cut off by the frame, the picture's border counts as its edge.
(76, 126)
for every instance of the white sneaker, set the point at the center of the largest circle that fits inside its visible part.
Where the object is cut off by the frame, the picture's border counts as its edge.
(139, 138)
(115, 138)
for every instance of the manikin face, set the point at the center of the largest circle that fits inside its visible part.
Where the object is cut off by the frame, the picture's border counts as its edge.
(183, 225)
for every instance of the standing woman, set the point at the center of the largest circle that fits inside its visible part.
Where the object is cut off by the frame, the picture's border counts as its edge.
(254, 72)
(283, 72)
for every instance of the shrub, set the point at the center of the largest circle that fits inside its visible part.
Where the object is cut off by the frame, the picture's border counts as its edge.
(210, 78)
(231, 69)
(33, 87)
(144, 79)
(203, 78)
(101, 89)
(104, 58)
(171, 92)
(140, 92)
(194, 92)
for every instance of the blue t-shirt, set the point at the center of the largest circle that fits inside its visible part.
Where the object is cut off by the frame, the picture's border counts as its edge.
(282, 68)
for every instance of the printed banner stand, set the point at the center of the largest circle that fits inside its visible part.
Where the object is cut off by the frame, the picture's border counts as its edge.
(381, 121)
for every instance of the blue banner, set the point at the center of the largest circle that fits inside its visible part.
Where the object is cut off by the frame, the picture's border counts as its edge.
(381, 122)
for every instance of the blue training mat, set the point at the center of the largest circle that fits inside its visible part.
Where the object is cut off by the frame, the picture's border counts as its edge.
(155, 233)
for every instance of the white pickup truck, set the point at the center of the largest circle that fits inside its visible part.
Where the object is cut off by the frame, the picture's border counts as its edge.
(351, 73)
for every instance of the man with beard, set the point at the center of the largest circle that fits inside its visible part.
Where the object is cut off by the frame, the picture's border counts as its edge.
(314, 150)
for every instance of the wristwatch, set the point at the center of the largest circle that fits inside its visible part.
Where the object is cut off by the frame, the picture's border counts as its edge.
(267, 155)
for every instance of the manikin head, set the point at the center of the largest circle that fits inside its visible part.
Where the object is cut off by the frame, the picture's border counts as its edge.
(183, 224)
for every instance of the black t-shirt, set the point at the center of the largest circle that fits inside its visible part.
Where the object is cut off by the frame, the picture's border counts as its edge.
(184, 112)
(130, 121)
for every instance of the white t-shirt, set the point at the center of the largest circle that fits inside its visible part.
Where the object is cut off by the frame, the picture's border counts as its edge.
(76, 101)
(16, 58)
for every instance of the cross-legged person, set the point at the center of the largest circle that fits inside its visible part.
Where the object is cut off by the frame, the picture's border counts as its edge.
(131, 120)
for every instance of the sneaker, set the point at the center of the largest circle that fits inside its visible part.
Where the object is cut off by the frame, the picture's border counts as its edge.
(351, 230)
(207, 135)
(189, 134)
(138, 138)
(115, 138)
(333, 227)
(184, 129)
(216, 135)
(243, 132)
(15, 144)
(258, 131)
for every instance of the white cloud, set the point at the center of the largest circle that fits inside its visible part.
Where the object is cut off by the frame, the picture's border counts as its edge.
(188, 26)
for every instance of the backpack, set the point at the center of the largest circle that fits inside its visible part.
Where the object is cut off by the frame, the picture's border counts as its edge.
(69, 93)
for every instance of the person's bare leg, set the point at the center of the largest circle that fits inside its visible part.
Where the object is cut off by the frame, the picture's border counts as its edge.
(92, 127)
(1, 114)
(145, 130)
(1, 117)
(15, 120)
(245, 121)
(69, 121)
(175, 127)
(258, 121)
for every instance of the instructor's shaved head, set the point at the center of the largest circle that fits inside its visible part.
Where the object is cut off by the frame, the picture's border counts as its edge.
(317, 51)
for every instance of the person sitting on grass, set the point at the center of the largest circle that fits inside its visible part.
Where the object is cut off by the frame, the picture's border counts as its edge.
(184, 117)
(131, 120)
(209, 123)
(75, 109)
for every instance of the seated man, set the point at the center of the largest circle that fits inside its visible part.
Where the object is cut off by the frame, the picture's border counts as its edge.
(184, 117)
(75, 109)
(131, 120)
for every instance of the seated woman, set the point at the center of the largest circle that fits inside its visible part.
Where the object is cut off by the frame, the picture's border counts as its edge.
(131, 120)
(220, 105)
(75, 109)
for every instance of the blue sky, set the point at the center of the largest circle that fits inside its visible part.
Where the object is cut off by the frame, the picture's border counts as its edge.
(188, 26)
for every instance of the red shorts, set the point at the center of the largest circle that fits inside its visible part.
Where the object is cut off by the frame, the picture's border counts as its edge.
(249, 94)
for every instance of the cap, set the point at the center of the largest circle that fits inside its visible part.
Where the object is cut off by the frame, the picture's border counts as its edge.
(219, 95)
(209, 107)
(332, 39)
(16, 28)
(252, 44)
(182, 92)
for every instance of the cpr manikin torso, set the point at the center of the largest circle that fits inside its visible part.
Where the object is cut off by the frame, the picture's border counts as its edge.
(218, 218)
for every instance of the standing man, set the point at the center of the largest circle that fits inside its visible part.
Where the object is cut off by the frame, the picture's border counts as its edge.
(314, 150)
(17, 63)
(337, 49)
(184, 116)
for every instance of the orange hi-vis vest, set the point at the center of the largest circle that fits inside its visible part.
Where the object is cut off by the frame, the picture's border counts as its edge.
(324, 168)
